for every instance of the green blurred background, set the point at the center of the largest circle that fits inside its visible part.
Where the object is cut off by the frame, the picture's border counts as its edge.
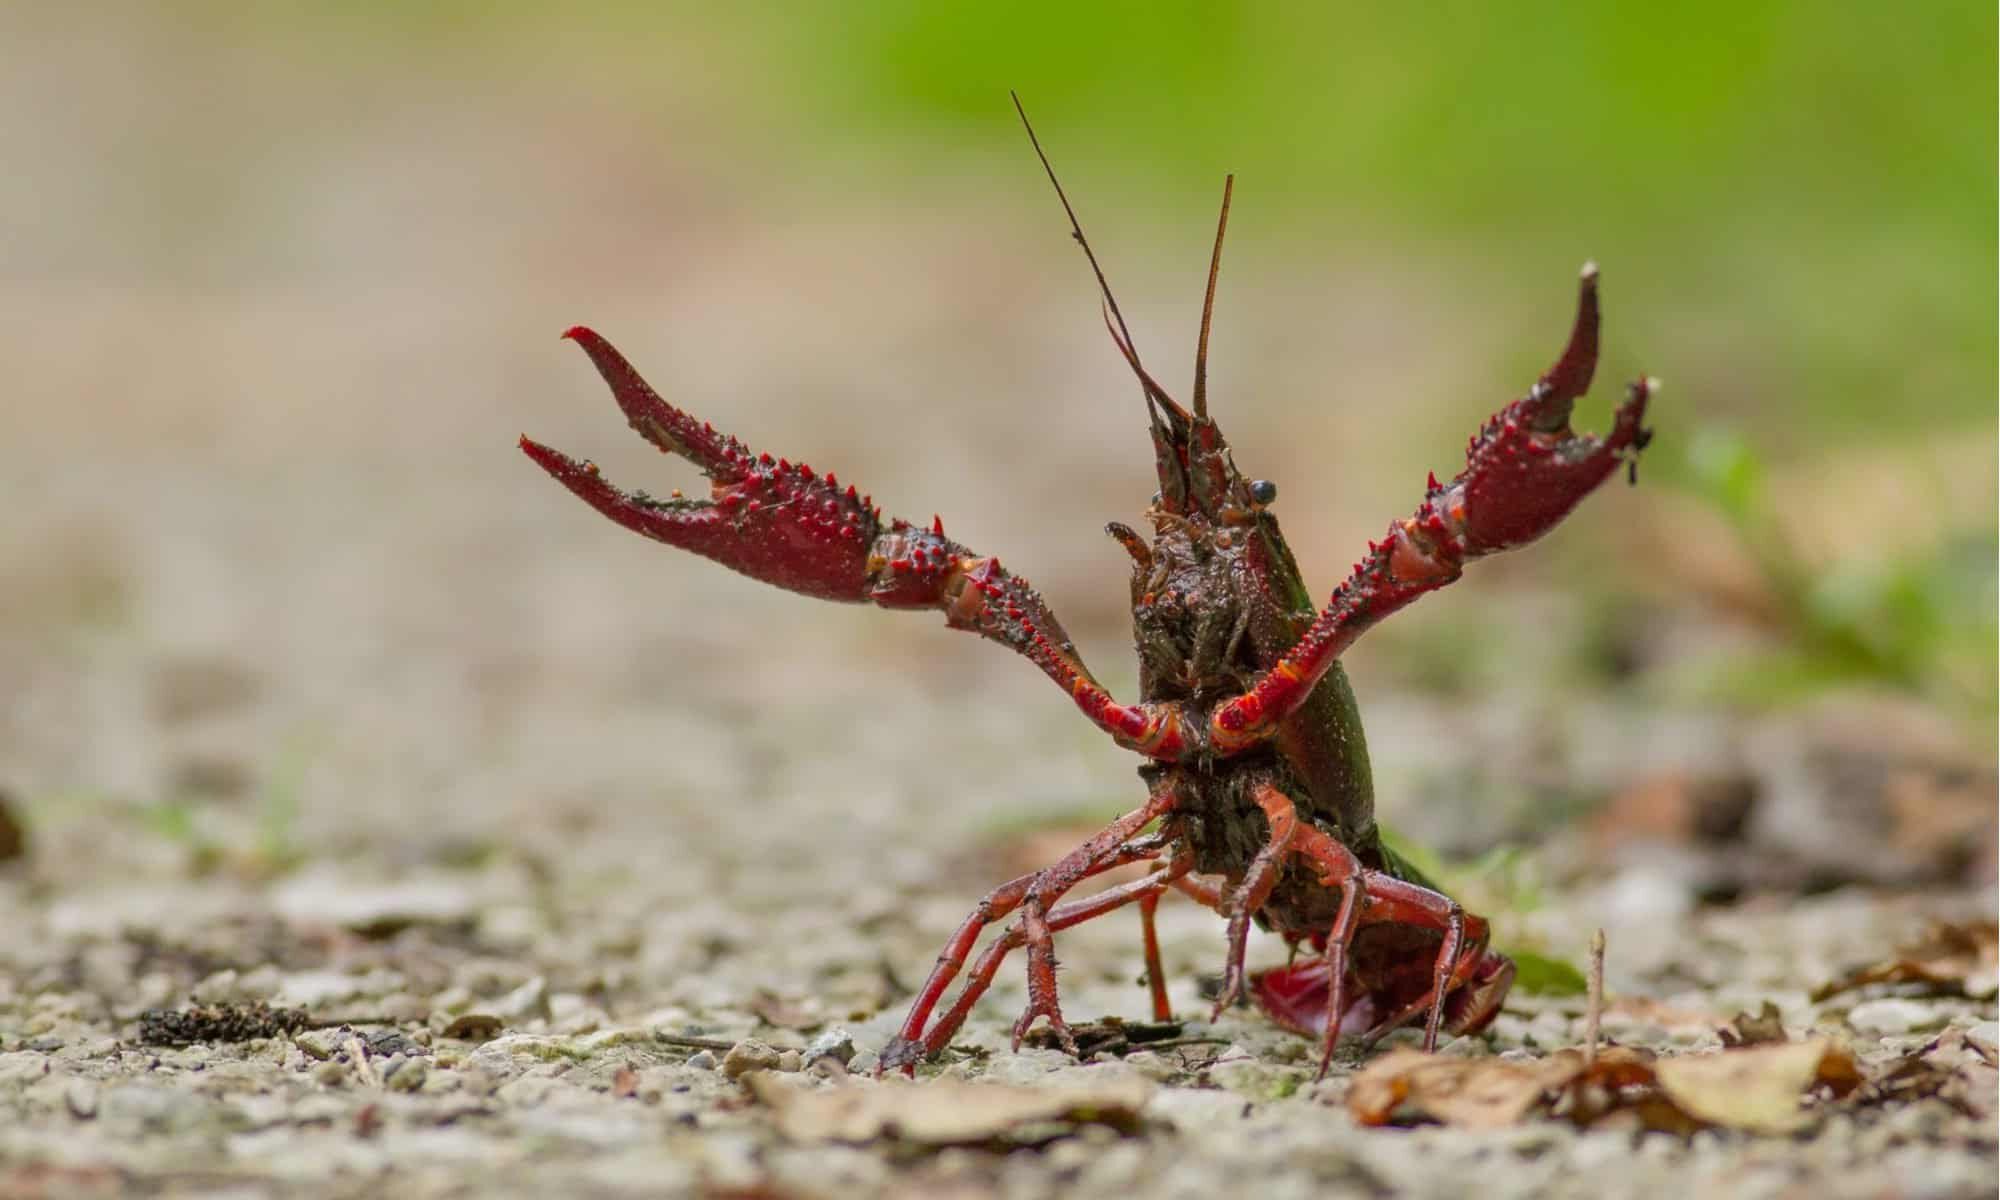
(283, 282)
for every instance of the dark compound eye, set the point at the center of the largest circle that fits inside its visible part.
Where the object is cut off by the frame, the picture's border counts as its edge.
(1263, 491)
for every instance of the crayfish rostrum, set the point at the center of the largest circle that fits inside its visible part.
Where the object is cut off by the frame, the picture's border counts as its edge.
(1259, 801)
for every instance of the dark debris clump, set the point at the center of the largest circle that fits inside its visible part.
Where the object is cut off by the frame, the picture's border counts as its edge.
(218, 1023)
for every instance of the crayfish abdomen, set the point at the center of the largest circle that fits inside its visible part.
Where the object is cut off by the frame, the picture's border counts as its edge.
(1259, 799)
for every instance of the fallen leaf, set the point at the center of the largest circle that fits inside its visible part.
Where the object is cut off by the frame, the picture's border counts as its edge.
(1956, 959)
(1949, 1066)
(1762, 1029)
(1112, 1035)
(1408, 1085)
(1757, 1089)
(941, 1112)
(474, 1027)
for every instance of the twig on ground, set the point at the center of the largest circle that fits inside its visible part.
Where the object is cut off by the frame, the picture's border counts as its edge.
(1596, 1017)
(694, 1043)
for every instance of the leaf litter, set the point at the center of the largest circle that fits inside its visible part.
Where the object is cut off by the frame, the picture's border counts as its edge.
(944, 1112)
(1958, 959)
(1756, 1089)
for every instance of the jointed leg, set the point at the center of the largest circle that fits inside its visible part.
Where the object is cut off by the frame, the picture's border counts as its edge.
(1047, 889)
(1388, 899)
(905, 1052)
(1201, 892)
(1353, 896)
(1156, 979)
(1451, 973)
(1112, 847)
(1250, 895)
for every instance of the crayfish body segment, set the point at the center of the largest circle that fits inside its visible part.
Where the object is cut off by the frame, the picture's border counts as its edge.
(1260, 803)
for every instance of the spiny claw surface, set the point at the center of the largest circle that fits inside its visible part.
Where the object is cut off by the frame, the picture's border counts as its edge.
(1527, 468)
(770, 519)
(778, 522)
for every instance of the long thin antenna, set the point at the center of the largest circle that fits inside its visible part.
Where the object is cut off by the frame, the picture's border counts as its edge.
(1208, 304)
(1154, 393)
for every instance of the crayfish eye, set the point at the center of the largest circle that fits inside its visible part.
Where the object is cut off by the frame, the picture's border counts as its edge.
(1263, 491)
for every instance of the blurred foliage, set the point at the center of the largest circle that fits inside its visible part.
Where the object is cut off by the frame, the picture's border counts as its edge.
(1812, 184)
(1925, 623)
(1804, 191)
(1793, 201)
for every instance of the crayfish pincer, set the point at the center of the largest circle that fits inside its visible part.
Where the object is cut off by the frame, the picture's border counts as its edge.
(1259, 802)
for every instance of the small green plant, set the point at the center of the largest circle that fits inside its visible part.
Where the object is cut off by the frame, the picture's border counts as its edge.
(1923, 623)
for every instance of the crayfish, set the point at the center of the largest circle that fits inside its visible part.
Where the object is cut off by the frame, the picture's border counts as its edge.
(1259, 799)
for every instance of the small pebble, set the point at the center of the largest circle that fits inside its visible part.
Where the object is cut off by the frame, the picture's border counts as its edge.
(749, 1055)
(703, 1060)
(835, 1043)
(319, 1043)
(790, 1061)
(81, 1099)
(408, 1076)
(1892, 1016)
(330, 1074)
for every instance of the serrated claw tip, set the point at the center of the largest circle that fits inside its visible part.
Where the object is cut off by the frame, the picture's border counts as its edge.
(577, 333)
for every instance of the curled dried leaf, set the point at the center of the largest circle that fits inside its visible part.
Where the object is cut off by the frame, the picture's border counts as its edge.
(1955, 959)
(941, 1112)
(1758, 1089)
(475, 1027)
(1745, 1030)
(1406, 1086)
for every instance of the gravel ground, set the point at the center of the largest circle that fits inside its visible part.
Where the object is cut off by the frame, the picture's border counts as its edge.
(519, 997)
(318, 696)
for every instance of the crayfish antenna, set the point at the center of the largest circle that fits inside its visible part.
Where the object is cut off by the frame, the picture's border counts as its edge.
(1155, 394)
(1208, 304)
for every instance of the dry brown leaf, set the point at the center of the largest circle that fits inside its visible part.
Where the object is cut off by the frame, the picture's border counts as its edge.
(1745, 1030)
(1757, 1089)
(1481, 1093)
(1950, 1066)
(1956, 958)
(475, 1027)
(941, 1112)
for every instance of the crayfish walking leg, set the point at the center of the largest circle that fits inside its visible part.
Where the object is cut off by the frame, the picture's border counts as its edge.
(1467, 982)
(1243, 902)
(1034, 895)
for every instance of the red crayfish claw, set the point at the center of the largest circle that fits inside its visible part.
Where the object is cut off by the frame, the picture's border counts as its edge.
(770, 519)
(1526, 469)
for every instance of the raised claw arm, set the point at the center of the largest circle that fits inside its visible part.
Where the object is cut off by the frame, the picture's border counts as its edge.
(1523, 474)
(780, 522)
